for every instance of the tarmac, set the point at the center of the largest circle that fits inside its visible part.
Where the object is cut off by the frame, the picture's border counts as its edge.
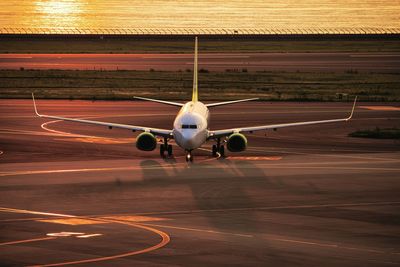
(350, 61)
(74, 194)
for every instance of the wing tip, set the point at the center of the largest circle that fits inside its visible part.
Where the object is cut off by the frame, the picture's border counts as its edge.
(352, 110)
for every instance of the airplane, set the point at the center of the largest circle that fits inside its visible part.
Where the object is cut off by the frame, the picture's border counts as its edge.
(190, 128)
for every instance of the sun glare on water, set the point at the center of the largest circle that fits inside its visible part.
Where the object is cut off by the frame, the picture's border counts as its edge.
(60, 15)
(63, 14)
(58, 8)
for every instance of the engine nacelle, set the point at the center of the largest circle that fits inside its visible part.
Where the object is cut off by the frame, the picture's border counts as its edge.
(146, 141)
(236, 142)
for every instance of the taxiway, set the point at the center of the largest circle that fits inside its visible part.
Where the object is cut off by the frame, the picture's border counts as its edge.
(307, 196)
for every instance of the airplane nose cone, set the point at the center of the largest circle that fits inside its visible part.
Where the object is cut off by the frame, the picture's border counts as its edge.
(188, 140)
(188, 135)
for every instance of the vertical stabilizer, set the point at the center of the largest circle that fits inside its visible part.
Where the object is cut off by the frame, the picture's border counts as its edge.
(195, 91)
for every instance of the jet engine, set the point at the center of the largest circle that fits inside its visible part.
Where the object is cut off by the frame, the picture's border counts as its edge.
(236, 142)
(146, 141)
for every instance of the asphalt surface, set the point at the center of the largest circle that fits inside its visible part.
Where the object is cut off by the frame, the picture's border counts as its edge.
(305, 196)
(377, 62)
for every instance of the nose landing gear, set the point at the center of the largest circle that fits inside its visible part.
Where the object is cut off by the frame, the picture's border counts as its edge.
(189, 156)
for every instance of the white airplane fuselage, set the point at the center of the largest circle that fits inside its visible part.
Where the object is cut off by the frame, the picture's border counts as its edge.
(191, 125)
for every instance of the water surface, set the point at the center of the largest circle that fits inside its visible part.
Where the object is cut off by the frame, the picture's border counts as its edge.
(291, 15)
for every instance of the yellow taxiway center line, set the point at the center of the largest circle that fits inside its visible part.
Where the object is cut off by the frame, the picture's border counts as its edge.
(269, 165)
(195, 229)
(324, 245)
(61, 133)
(23, 219)
(87, 236)
(27, 241)
(35, 212)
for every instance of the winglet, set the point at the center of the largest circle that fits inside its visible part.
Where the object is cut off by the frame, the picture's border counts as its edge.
(352, 111)
(34, 105)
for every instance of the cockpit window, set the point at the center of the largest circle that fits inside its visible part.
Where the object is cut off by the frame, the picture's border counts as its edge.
(189, 126)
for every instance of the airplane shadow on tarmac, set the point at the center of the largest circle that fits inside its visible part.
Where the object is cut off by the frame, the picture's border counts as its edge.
(215, 185)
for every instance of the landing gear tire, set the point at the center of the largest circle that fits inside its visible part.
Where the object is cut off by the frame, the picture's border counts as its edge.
(189, 157)
(169, 150)
(222, 151)
(162, 150)
(214, 150)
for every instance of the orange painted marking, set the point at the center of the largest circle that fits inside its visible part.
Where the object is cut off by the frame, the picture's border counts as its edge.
(27, 241)
(86, 138)
(22, 219)
(35, 212)
(253, 158)
(88, 236)
(135, 218)
(72, 221)
(101, 140)
(381, 108)
(44, 127)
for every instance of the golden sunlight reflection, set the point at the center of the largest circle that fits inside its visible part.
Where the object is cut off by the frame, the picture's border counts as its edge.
(59, 14)
(321, 16)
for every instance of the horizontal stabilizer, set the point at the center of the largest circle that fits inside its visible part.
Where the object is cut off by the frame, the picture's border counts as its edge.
(160, 101)
(230, 102)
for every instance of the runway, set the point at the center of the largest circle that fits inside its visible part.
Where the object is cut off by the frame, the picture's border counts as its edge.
(376, 62)
(74, 194)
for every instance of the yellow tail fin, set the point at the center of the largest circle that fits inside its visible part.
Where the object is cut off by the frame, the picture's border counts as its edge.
(195, 97)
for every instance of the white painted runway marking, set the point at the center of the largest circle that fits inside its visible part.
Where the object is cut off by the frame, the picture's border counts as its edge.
(72, 234)
(64, 234)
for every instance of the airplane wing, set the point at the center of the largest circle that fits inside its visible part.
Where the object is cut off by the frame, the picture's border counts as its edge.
(230, 102)
(160, 101)
(226, 132)
(155, 131)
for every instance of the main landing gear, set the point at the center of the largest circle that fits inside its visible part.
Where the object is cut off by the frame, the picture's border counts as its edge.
(189, 156)
(165, 148)
(218, 148)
